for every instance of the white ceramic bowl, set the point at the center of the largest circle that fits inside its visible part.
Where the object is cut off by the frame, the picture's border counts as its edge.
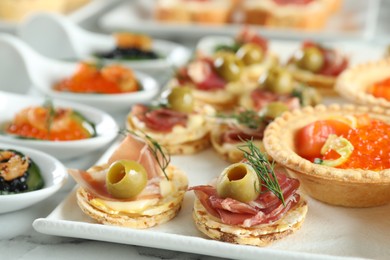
(79, 44)
(106, 127)
(172, 55)
(43, 73)
(52, 171)
(111, 103)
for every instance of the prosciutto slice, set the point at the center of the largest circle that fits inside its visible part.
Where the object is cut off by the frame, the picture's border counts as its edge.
(161, 119)
(262, 98)
(131, 148)
(266, 208)
(235, 134)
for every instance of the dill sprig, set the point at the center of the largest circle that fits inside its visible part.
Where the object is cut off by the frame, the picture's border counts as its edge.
(264, 169)
(51, 114)
(248, 118)
(159, 152)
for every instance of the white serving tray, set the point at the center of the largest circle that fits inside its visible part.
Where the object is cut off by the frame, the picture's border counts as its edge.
(328, 232)
(357, 19)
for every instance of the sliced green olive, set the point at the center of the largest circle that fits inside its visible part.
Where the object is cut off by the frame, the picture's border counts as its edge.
(239, 181)
(311, 59)
(181, 99)
(228, 65)
(250, 53)
(274, 109)
(278, 80)
(126, 179)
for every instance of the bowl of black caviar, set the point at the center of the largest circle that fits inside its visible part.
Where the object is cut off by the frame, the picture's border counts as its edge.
(27, 177)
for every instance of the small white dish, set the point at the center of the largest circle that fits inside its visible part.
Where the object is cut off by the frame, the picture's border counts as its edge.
(106, 127)
(77, 43)
(52, 171)
(43, 73)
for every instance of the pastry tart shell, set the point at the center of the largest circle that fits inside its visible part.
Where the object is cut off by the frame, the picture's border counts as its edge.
(353, 84)
(324, 84)
(138, 221)
(343, 187)
(260, 235)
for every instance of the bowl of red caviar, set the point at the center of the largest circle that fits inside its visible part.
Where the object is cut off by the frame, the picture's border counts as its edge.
(367, 83)
(110, 87)
(340, 153)
(62, 129)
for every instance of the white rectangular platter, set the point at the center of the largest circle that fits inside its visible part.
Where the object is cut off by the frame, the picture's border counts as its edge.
(328, 232)
(357, 19)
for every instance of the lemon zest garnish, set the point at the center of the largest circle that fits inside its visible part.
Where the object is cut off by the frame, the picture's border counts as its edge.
(341, 146)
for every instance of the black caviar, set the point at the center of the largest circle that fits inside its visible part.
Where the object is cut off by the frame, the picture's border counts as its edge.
(18, 173)
(128, 54)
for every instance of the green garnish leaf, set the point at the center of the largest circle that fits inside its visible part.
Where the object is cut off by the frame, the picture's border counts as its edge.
(264, 169)
(51, 114)
(230, 48)
(159, 152)
(318, 161)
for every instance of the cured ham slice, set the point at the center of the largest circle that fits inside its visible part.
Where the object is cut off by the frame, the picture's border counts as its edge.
(251, 36)
(161, 119)
(266, 208)
(131, 148)
(234, 135)
(262, 98)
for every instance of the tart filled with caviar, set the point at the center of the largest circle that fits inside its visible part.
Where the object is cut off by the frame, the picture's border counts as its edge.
(176, 124)
(130, 47)
(250, 203)
(50, 123)
(318, 65)
(341, 154)
(18, 173)
(367, 83)
(94, 78)
(137, 187)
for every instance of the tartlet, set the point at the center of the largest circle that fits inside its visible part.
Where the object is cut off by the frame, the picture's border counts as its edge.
(355, 82)
(136, 188)
(308, 16)
(233, 209)
(343, 187)
(198, 12)
(318, 66)
(189, 133)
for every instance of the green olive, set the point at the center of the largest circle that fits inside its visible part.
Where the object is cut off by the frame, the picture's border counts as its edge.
(181, 99)
(228, 65)
(126, 179)
(311, 59)
(239, 181)
(274, 109)
(278, 80)
(250, 53)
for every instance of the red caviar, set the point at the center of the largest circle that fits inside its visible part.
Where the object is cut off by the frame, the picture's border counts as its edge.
(112, 79)
(381, 89)
(74, 132)
(371, 144)
(33, 122)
